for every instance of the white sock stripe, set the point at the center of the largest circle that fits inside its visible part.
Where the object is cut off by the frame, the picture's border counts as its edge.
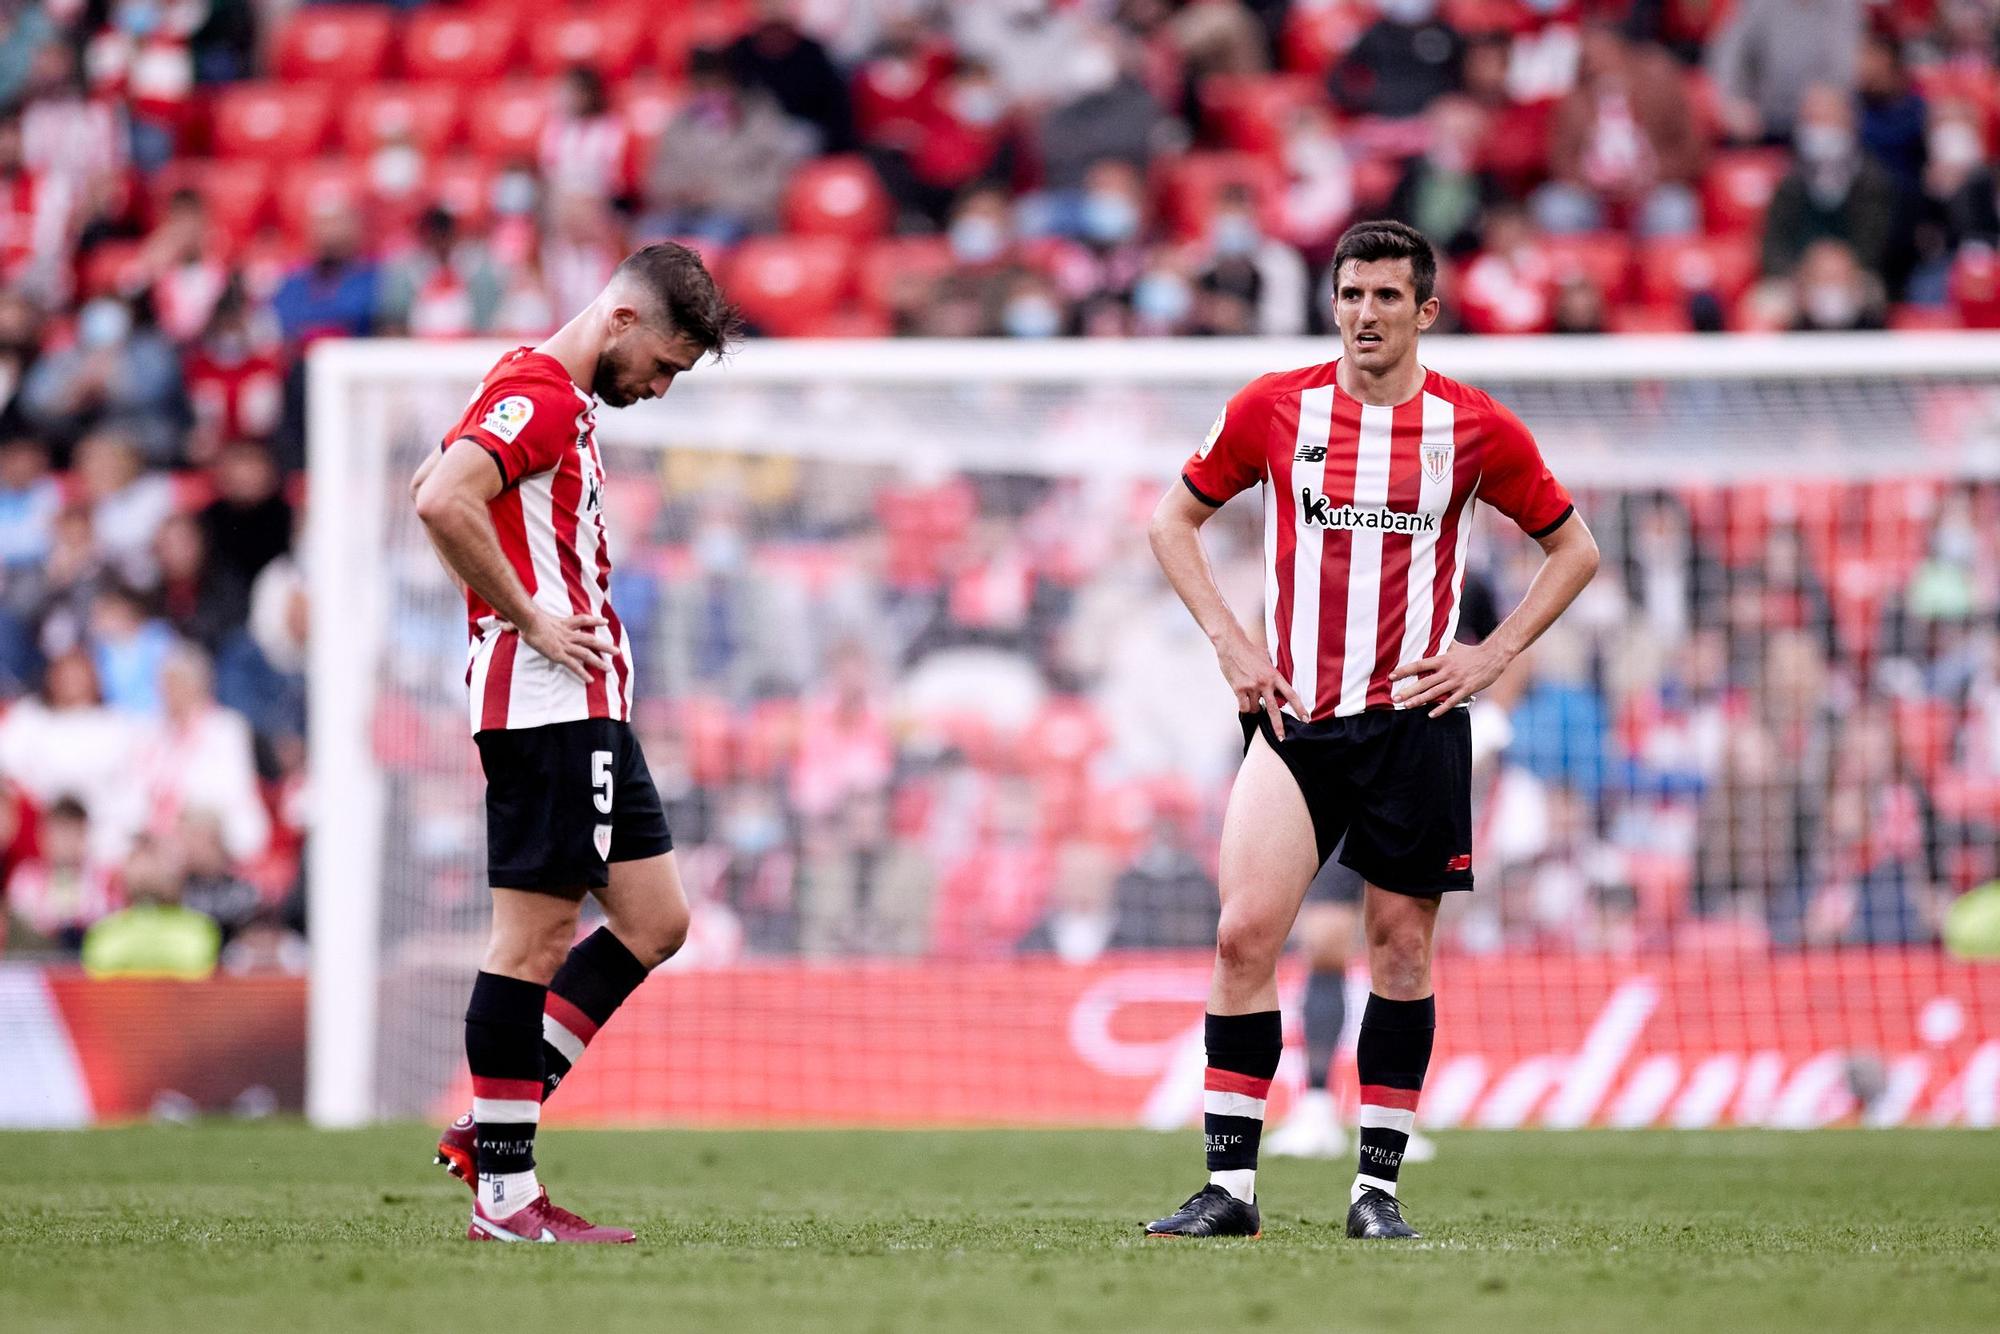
(505, 1111)
(1362, 1181)
(569, 1044)
(1386, 1118)
(1217, 1103)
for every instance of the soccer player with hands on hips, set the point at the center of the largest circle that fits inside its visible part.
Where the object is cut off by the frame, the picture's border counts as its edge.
(1355, 717)
(513, 502)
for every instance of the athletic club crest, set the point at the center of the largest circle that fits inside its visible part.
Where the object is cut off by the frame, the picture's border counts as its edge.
(1437, 462)
(601, 836)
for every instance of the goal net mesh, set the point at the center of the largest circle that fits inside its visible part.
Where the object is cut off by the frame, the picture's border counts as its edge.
(945, 760)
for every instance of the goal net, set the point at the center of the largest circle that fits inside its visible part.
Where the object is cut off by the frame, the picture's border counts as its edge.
(945, 760)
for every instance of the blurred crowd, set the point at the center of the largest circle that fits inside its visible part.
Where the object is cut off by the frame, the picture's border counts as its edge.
(959, 718)
(196, 190)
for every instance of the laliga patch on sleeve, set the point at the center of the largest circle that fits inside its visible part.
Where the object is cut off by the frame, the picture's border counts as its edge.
(1214, 434)
(507, 417)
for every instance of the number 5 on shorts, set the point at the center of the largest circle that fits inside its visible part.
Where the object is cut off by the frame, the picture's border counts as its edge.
(600, 781)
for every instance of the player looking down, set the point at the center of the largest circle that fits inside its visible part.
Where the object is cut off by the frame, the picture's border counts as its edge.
(513, 503)
(1359, 727)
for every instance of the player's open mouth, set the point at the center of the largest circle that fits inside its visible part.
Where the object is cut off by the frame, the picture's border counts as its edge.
(1368, 340)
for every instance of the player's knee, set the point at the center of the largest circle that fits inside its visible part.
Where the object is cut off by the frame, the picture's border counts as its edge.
(657, 935)
(1244, 942)
(1399, 961)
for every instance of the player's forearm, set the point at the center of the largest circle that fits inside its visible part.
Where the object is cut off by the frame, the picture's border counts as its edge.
(1566, 572)
(1177, 546)
(461, 532)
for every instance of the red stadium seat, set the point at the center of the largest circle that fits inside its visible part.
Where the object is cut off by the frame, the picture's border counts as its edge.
(1316, 36)
(427, 114)
(1738, 189)
(276, 122)
(1923, 318)
(1673, 270)
(464, 187)
(107, 267)
(1189, 186)
(788, 283)
(1603, 257)
(471, 47)
(890, 267)
(347, 43)
(689, 28)
(608, 41)
(1975, 288)
(236, 192)
(837, 196)
(847, 322)
(1249, 111)
(505, 124)
(1650, 318)
(308, 186)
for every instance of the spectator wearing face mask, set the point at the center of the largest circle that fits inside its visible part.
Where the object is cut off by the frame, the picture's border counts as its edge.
(1402, 62)
(1770, 53)
(1833, 294)
(1835, 191)
(446, 286)
(776, 56)
(1112, 116)
(1443, 192)
(143, 59)
(723, 162)
(1266, 275)
(1957, 206)
(1893, 114)
(1624, 145)
(957, 134)
(114, 375)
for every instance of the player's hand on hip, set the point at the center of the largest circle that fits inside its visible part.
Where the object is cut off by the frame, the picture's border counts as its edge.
(1447, 680)
(571, 643)
(1256, 682)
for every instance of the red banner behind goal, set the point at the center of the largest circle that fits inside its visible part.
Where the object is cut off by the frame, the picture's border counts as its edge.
(1878, 1037)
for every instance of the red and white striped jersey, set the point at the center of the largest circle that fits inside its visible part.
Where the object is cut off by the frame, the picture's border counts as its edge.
(541, 431)
(1367, 518)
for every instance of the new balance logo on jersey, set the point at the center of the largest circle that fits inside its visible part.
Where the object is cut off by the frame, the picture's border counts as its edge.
(1311, 454)
(1315, 508)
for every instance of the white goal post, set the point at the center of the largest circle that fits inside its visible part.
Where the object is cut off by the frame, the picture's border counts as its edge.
(1611, 413)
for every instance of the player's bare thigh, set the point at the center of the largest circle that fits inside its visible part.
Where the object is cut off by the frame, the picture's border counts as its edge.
(1268, 859)
(646, 907)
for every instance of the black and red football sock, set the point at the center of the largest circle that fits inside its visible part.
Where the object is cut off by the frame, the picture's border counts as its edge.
(1243, 1051)
(1391, 1055)
(588, 989)
(503, 1046)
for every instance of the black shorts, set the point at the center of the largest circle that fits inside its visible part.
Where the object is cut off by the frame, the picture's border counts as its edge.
(1394, 784)
(564, 801)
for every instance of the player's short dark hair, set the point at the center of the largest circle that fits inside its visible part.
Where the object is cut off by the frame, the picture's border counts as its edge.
(1366, 242)
(689, 299)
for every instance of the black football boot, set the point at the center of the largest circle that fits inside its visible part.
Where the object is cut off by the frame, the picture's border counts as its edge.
(1209, 1212)
(1378, 1214)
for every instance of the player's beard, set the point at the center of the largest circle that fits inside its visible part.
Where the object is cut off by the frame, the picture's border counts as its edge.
(605, 384)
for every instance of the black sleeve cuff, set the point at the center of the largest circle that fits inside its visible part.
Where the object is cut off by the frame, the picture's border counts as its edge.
(494, 454)
(1195, 491)
(1561, 519)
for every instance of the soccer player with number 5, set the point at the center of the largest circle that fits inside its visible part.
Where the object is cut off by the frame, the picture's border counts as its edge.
(514, 504)
(1354, 711)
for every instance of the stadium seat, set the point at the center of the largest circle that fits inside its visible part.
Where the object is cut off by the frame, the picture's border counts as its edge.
(1904, 315)
(1673, 270)
(1316, 36)
(1603, 257)
(471, 47)
(344, 43)
(236, 192)
(1248, 111)
(426, 113)
(837, 196)
(307, 186)
(890, 266)
(1652, 317)
(507, 126)
(1738, 189)
(276, 122)
(463, 185)
(788, 283)
(1188, 187)
(689, 28)
(1975, 288)
(848, 322)
(606, 40)
(107, 266)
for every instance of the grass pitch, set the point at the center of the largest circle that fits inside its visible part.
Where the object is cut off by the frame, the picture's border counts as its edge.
(274, 1227)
